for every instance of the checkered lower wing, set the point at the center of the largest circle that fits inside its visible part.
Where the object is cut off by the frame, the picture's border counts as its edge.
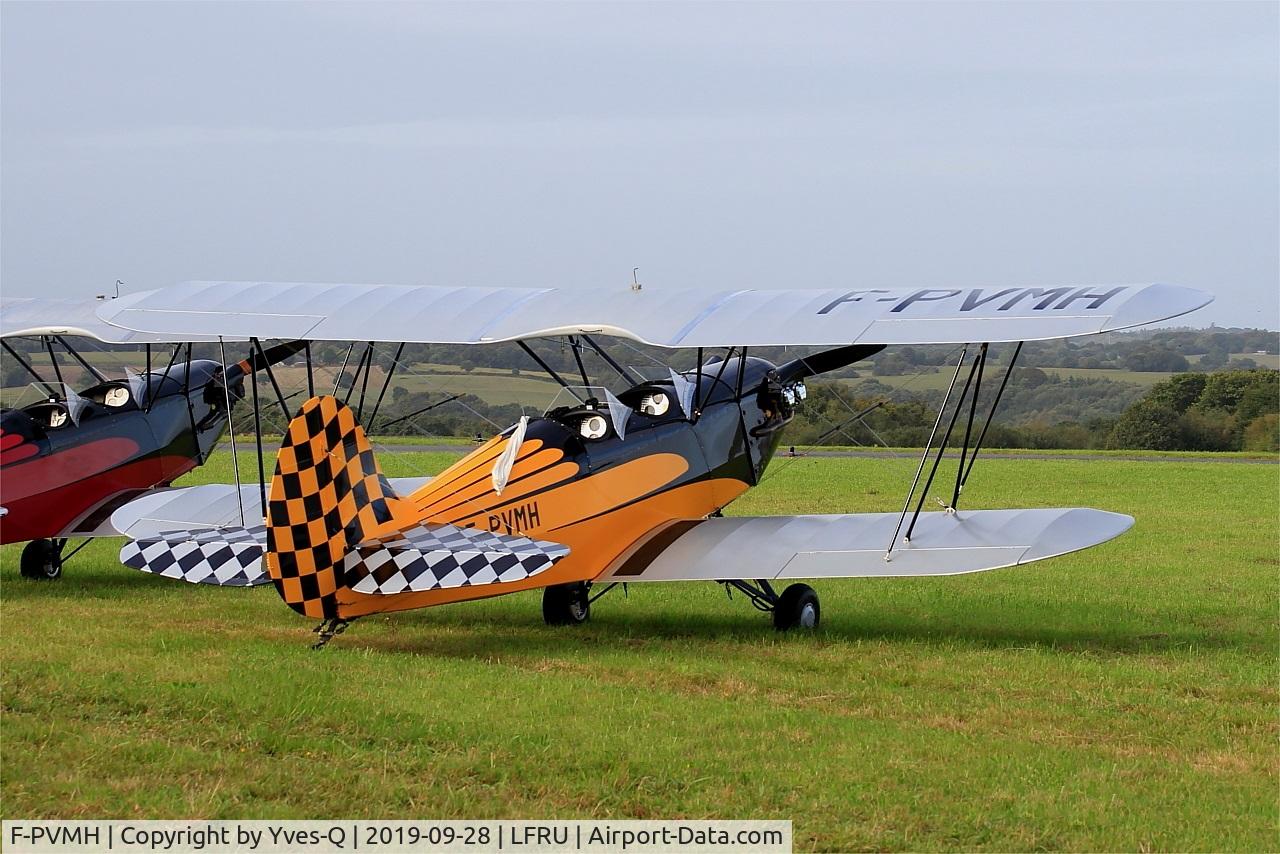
(435, 557)
(227, 557)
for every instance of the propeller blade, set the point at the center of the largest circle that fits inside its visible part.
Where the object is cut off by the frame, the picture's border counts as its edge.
(827, 360)
(274, 355)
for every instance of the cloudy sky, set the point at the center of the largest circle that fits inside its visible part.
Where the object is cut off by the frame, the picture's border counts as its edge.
(728, 144)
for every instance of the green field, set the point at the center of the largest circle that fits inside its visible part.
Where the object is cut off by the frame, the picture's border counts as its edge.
(1124, 698)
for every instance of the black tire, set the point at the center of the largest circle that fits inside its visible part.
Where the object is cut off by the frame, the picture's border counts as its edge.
(566, 604)
(797, 608)
(41, 561)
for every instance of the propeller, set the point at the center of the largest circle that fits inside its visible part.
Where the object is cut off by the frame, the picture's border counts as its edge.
(827, 360)
(232, 377)
(274, 355)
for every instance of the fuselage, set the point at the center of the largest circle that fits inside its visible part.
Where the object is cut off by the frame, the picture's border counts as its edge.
(612, 499)
(62, 473)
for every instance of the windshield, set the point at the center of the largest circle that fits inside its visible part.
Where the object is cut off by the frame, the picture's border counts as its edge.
(577, 399)
(53, 404)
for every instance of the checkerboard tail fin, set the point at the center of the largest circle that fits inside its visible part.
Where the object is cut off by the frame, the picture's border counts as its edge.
(327, 496)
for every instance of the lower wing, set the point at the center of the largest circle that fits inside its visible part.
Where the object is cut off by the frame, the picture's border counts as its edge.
(854, 545)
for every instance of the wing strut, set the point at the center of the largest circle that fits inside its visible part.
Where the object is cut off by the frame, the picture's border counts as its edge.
(311, 380)
(173, 359)
(577, 357)
(266, 363)
(990, 414)
(720, 373)
(337, 383)
(697, 388)
(946, 438)
(257, 431)
(550, 370)
(927, 446)
(968, 426)
(53, 359)
(603, 354)
(355, 378)
(973, 381)
(386, 383)
(93, 372)
(231, 429)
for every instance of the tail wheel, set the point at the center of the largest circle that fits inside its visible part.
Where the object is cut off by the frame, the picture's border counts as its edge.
(566, 604)
(41, 560)
(797, 608)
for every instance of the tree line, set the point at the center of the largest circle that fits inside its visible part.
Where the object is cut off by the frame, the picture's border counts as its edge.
(1220, 411)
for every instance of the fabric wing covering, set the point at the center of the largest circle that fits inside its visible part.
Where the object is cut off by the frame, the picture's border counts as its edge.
(852, 546)
(688, 317)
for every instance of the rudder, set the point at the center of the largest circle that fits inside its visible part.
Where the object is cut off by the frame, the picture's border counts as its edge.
(327, 495)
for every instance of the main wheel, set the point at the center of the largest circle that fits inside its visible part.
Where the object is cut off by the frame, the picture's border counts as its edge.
(566, 604)
(41, 560)
(797, 608)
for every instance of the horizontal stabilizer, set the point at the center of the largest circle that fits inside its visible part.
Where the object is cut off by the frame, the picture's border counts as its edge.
(853, 546)
(428, 557)
(213, 505)
(436, 557)
(227, 557)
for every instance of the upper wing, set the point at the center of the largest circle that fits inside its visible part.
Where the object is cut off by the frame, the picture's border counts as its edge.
(22, 316)
(775, 547)
(667, 318)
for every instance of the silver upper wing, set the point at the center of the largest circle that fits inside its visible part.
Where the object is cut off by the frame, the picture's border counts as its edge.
(853, 546)
(667, 318)
(20, 316)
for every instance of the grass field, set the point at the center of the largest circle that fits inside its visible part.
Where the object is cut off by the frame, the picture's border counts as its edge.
(1124, 698)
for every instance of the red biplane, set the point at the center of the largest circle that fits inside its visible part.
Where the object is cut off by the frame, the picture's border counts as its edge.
(69, 458)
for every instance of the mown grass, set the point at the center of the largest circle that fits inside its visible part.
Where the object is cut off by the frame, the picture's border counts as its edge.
(1120, 699)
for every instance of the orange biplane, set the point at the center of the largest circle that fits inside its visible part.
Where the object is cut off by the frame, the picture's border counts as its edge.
(605, 487)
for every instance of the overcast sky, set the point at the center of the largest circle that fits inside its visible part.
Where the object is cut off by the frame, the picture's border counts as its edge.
(831, 145)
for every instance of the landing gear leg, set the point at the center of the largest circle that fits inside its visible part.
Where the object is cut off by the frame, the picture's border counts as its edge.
(566, 604)
(42, 560)
(328, 630)
(796, 608)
